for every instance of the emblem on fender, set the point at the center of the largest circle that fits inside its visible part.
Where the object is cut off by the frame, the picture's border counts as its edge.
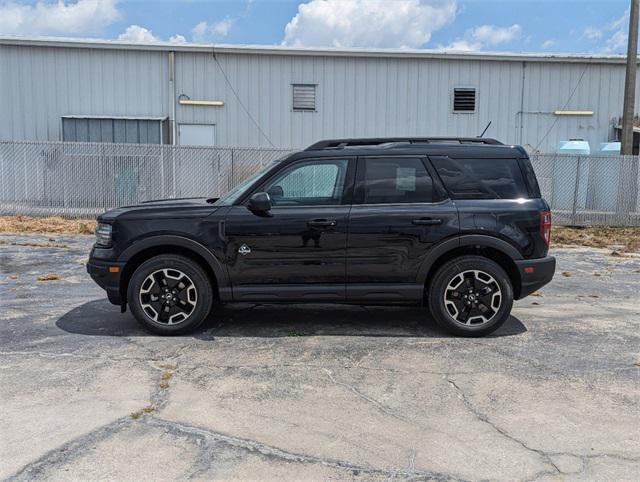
(244, 250)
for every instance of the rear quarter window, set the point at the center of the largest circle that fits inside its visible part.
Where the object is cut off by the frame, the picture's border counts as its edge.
(482, 178)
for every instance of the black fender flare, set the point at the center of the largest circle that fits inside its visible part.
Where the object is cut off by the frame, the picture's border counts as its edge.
(448, 245)
(173, 240)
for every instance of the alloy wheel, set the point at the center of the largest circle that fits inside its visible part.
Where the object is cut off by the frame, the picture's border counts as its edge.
(168, 296)
(472, 298)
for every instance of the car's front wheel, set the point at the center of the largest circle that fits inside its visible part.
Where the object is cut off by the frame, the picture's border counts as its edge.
(170, 294)
(470, 296)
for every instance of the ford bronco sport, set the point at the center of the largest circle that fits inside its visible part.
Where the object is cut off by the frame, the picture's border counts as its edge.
(457, 224)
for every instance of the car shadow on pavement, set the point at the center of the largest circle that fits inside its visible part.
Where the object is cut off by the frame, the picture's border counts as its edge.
(100, 318)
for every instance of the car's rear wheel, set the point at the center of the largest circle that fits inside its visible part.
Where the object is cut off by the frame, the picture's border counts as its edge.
(470, 296)
(170, 294)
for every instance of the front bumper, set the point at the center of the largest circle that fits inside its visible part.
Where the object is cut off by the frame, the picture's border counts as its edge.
(534, 274)
(99, 271)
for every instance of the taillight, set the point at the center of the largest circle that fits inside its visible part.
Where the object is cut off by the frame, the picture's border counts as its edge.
(545, 226)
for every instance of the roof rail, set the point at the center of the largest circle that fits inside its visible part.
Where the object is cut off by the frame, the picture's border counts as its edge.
(342, 143)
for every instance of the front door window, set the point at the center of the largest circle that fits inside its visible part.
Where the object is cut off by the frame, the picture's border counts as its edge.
(310, 183)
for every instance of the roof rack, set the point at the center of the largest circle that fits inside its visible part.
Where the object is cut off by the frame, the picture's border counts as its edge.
(342, 143)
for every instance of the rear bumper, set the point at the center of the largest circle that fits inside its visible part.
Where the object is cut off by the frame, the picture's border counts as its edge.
(109, 281)
(534, 274)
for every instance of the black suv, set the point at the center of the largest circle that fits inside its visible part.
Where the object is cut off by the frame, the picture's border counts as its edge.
(454, 223)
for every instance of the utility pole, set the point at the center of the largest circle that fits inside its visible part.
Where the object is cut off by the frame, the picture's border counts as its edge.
(630, 81)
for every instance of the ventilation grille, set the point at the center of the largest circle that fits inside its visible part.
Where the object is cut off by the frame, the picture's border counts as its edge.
(304, 97)
(464, 100)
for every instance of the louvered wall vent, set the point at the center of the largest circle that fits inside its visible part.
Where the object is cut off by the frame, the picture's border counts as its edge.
(464, 100)
(304, 97)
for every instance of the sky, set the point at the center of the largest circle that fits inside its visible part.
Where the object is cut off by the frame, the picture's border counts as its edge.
(566, 26)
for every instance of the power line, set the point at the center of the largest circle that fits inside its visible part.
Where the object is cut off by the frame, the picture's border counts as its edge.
(224, 74)
(563, 107)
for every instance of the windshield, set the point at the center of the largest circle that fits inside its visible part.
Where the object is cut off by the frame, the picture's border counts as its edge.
(235, 193)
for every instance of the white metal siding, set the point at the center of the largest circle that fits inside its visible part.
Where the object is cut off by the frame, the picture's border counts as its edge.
(355, 96)
(40, 85)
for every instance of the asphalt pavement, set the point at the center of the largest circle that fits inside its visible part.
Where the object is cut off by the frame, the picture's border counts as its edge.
(316, 391)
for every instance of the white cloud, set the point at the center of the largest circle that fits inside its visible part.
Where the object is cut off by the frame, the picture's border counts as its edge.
(592, 33)
(177, 39)
(137, 34)
(483, 36)
(614, 34)
(59, 18)
(618, 42)
(618, 34)
(547, 44)
(204, 31)
(368, 23)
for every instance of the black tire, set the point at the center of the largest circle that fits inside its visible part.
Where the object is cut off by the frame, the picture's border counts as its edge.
(193, 299)
(485, 313)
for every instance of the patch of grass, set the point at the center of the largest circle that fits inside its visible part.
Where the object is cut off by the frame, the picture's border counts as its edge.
(296, 333)
(148, 409)
(48, 244)
(597, 237)
(165, 378)
(48, 277)
(54, 224)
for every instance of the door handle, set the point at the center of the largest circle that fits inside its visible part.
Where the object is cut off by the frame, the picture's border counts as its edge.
(426, 222)
(321, 223)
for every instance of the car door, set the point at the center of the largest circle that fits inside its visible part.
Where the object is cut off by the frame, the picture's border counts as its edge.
(297, 250)
(399, 212)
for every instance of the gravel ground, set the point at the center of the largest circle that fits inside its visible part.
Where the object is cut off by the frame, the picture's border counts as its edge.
(319, 391)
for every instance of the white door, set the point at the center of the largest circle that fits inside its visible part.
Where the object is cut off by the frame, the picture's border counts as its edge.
(197, 134)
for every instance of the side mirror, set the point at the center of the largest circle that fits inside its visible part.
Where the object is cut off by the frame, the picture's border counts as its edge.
(260, 203)
(276, 191)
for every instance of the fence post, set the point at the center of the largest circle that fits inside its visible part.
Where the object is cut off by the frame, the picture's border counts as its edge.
(231, 173)
(173, 170)
(576, 188)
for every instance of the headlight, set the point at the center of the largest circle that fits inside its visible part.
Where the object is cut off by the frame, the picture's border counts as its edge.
(103, 234)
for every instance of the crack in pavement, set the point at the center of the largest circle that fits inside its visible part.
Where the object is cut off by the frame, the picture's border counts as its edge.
(205, 440)
(546, 455)
(270, 452)
(69, 451)
(265, 366)
(372, 401)
(485, 419)
(408, 421)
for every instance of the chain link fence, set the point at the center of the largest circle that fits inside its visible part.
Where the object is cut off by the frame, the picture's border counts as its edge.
(78, 179)
(590, 190)
(75, 179)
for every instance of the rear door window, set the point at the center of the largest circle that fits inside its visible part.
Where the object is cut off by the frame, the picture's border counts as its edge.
(396, 180)
(482, 178)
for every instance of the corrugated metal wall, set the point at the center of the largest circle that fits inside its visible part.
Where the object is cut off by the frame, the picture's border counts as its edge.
(40, 85)
(356, 96)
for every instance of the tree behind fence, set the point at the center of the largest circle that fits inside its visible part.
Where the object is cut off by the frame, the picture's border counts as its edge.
(83, 179)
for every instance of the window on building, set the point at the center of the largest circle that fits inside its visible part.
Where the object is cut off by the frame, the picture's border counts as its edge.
(396, 180)
(304, 97)
(464, 99)
(122, 130)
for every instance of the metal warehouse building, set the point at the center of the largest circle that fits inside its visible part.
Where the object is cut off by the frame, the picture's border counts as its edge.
(224, 95)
